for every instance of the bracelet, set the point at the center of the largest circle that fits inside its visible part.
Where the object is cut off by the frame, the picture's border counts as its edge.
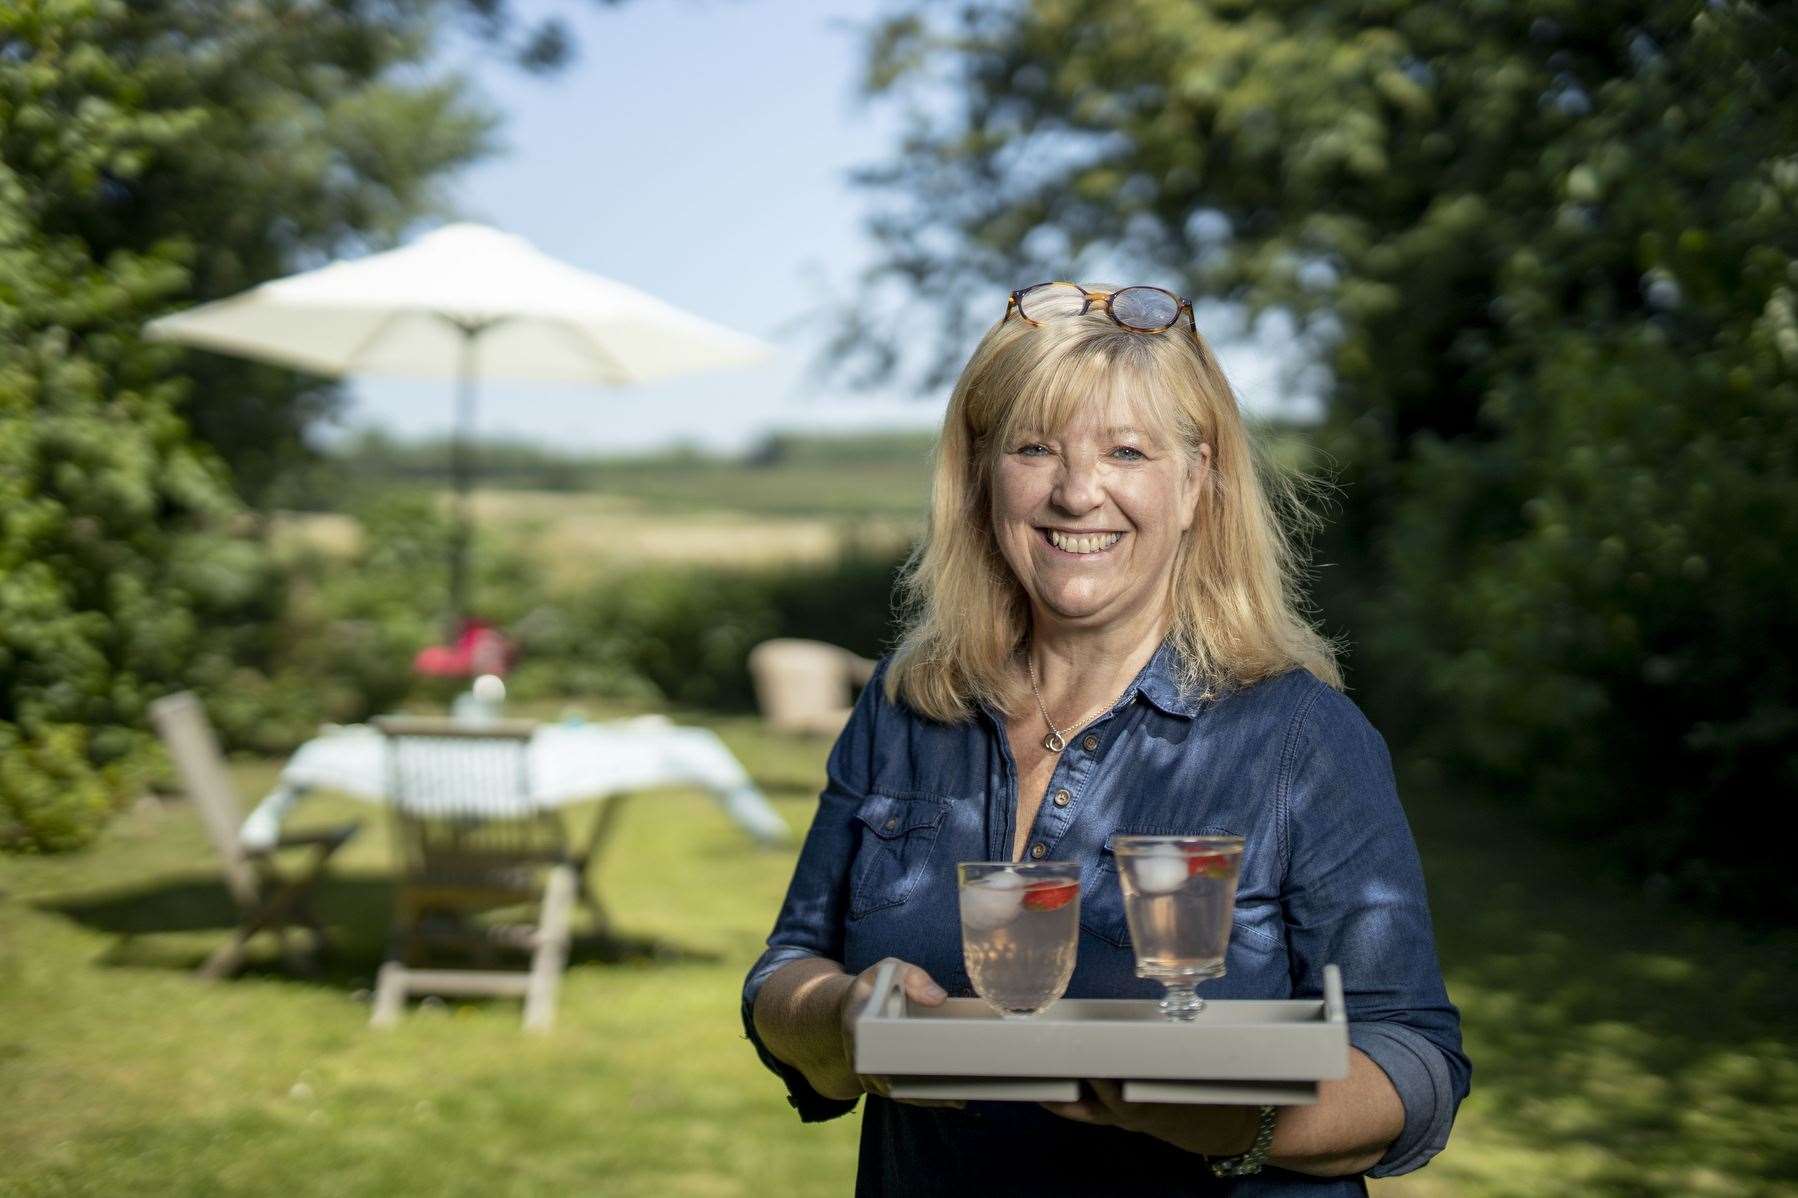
(1245, 1163)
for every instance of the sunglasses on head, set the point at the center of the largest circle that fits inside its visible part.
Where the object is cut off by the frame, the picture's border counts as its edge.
(1141, 309)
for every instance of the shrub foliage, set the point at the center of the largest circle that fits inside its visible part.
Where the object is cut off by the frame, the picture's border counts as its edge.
(1546, 256)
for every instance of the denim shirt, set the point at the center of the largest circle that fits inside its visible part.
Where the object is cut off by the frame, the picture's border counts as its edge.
(1329, 874)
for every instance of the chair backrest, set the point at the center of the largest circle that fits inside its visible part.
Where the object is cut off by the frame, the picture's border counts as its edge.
(804, 686)
(462, 800)
(182, 724)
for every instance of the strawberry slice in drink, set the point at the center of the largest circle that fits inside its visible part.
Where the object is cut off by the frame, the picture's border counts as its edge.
(1049, 896)
(1212, 865)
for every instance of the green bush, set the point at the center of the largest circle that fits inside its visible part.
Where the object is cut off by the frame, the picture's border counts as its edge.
(1543, 259)
(1622, 664)
(683, 635)
(340, 647)
(52, 798)
(153, 156)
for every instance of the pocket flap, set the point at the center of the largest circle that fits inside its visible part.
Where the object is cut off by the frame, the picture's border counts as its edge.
(890, 816)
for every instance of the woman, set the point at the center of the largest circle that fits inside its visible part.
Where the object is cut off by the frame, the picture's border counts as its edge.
(1105, 638)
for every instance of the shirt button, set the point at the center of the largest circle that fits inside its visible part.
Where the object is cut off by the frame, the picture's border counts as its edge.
(1090, 743)
(891, 823)
(1062, 797)
(1039, 850)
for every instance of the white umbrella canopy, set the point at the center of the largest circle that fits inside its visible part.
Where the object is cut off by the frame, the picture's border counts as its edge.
(404, 313)
(465, 302)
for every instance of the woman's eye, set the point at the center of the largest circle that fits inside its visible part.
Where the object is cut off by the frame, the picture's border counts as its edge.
(1030, 449)
(1130, 453)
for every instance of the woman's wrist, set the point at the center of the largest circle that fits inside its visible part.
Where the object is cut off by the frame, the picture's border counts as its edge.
(1347, 1131)
(1250, 1159)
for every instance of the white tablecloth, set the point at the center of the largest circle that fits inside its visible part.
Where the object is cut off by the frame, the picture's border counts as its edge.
(569, 763)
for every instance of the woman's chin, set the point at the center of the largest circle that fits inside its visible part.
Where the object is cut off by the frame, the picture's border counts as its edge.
(1078, 607)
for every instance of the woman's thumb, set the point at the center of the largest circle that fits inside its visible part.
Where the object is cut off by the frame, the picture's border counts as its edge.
(921, 987)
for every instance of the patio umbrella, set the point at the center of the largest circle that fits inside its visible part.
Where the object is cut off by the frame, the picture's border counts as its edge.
(465, 302)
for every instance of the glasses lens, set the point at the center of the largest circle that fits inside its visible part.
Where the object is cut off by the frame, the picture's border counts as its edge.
(1145, 307)
(1047, 301)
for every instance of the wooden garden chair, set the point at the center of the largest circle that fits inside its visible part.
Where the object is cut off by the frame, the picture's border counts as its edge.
(469, 841)
(268, 900)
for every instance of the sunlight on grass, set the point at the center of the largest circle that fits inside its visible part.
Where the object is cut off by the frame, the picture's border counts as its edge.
(1619, 1048)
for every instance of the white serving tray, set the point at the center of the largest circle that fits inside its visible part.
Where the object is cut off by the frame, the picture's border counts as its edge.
(1235, 1050)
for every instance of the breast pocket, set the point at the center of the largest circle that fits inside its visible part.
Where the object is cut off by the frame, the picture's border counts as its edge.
(898, 834)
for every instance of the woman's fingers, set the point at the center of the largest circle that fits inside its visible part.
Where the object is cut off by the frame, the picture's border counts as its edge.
(1110, 1095)
(1086, 1110)
(920, 987)
(1100, 1102)
(883, 1086)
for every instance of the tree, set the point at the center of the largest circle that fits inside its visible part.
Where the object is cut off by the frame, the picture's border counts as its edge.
(1545, 251)
(153, 153)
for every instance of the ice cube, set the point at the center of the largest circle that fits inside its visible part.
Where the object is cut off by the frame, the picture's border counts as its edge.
(993, 900)
(1161, 870)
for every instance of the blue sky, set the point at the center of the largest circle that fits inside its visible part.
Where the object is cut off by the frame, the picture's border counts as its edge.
(696, 149)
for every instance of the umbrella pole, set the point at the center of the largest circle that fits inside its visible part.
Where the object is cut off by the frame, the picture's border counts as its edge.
(461, 469)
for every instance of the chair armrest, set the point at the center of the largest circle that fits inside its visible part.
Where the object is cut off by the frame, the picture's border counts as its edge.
(861, 669)
(333, 835)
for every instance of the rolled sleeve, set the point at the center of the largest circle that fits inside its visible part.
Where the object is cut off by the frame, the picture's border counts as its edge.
(1419, 1071)
(812, 1106)
(810, 923)
(1354, 895)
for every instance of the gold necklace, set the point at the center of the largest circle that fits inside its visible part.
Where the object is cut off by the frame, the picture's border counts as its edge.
(1055, 742)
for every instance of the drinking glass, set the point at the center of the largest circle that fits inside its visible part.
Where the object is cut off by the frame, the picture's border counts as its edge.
(1020, 926)
(1179, 892)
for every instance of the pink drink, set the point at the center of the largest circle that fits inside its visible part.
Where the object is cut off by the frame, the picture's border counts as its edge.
(1179, 894)
(1020, 925)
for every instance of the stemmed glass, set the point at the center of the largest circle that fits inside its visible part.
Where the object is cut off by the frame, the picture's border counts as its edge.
(1020, 927)
(1179, 892)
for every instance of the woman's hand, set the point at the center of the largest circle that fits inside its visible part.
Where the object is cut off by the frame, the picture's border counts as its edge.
(920, 987)
(1205, 1129)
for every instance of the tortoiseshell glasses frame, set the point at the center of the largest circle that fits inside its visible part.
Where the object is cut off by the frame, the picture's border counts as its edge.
(1020, 302)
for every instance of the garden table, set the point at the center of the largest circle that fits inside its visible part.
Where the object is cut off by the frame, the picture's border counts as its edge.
(569, 763)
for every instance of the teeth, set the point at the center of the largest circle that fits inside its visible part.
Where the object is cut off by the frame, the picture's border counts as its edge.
(1083, 544)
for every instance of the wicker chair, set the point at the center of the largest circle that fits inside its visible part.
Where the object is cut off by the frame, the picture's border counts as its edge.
(806, 686)
(470, 841)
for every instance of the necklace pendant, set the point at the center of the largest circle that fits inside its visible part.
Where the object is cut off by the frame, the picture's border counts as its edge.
(1054, 743)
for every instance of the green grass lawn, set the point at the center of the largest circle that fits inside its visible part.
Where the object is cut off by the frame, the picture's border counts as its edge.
(1620, 1047)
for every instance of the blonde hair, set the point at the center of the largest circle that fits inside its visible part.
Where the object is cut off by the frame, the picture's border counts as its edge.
(1236, 615)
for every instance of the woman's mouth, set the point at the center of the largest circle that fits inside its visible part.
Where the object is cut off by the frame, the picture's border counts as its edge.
(1084, 545)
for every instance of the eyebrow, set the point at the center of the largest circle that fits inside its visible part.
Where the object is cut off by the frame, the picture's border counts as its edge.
(1116, 430)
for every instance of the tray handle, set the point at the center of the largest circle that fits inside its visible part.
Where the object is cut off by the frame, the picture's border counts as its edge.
(887, 999)
(1334, 1009)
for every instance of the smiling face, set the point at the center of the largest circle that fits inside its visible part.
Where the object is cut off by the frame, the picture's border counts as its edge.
(1090, 517)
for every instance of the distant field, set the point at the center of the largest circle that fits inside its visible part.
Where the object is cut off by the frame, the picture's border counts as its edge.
(860, 476)
(854, 487)
(572, 534)
(798, 499)
(802, 501)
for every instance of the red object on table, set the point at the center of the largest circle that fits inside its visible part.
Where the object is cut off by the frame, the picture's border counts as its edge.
(479, 648)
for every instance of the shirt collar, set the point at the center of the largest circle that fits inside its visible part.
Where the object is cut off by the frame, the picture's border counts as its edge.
(1159, 682)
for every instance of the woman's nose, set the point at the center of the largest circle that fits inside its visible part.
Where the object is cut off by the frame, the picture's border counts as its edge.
(1077, 491)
